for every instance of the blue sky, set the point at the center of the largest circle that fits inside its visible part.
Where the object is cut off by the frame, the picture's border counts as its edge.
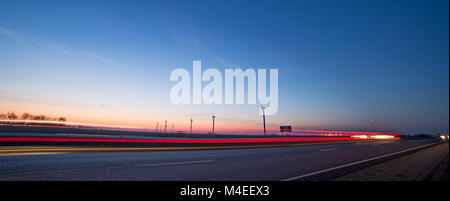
(341, 63)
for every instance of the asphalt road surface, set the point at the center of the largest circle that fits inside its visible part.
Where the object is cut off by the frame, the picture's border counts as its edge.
(260, 164)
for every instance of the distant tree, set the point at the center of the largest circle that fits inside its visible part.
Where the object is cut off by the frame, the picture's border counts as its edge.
(12, 116)
(26, 116)
(39, 117)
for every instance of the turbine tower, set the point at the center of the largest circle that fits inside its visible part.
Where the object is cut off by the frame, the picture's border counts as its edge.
(264, 118)
(190, 131)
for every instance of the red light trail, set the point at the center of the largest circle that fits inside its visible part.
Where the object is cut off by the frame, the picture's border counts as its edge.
(189, 141)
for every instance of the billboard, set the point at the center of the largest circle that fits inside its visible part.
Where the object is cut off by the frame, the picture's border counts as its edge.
(285, 128)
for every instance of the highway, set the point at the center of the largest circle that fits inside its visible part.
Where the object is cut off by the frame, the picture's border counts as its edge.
(247, 164)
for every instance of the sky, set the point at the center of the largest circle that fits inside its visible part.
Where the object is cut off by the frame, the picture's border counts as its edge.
(340, 63)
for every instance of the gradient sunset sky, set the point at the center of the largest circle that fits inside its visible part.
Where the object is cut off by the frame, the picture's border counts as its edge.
(341, 63)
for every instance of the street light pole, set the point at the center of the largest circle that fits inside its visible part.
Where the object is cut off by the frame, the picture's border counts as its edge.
(373, 125)
(165, 126)
(213, 117)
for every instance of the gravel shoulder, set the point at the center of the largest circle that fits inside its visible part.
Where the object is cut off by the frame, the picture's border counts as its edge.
(431, 164)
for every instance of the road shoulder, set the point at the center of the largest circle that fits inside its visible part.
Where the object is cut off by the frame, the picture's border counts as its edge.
(430, 164)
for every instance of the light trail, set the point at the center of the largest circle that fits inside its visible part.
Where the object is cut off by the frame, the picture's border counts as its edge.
(186, 141)
(162, 148)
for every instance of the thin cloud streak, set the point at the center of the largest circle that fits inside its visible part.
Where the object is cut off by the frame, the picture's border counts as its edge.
(65, 49)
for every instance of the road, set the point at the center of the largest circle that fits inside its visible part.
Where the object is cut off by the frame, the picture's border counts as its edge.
(260, 164)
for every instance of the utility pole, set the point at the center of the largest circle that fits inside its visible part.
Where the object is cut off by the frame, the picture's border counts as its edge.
(165, 126)
(190, 131)
(264, 118)
(172, 128)
(213, 117)
(157, 124)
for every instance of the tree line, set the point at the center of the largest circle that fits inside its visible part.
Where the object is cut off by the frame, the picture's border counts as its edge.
(28, 116)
